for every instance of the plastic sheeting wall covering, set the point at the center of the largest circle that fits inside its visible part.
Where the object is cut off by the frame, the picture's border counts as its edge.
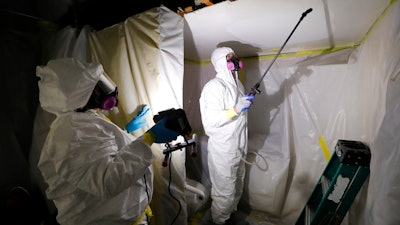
(349, 94)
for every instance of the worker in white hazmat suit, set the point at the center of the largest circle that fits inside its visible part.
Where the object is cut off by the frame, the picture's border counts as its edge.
(96, 172)
(223, 107)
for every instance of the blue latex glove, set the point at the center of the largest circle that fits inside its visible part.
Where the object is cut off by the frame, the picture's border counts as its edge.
(161, 134)
(244, 103)
(139, 120)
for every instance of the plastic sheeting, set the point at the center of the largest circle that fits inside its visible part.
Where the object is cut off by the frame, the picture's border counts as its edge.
(350, 94)
(144, 57)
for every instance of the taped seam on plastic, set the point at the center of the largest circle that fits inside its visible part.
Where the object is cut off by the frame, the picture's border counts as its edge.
(393, 78)
(188, 61)
(282, 55)
(378, 20)
(307, 52)
(198, 132)
(241, 75)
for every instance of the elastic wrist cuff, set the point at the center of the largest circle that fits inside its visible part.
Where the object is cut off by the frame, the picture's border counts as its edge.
(231, 113)
(149, 138)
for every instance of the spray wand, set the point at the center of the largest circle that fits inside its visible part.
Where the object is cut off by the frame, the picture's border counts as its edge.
(254, 90)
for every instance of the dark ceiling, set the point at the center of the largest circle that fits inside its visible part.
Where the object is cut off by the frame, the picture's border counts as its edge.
(22, 15)
(100, 14)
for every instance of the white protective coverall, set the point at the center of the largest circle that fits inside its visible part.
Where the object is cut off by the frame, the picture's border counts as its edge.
(96, 172)
(227, 136)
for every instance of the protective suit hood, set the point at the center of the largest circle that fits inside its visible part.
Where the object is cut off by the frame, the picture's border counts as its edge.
(67, 84)
(218, 59)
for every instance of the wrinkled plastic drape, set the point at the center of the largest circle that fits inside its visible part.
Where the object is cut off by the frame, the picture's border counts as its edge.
(144, 57)
(351, 94)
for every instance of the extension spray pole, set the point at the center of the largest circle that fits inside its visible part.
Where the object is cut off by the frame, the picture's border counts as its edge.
(254, 90)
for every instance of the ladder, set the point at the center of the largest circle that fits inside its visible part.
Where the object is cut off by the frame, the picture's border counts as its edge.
(338, 186)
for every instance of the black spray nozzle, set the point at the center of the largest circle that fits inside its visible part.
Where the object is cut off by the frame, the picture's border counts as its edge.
(306, 12)
(254, 90)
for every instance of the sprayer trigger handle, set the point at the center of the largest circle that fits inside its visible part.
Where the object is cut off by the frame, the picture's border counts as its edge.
(254, 91)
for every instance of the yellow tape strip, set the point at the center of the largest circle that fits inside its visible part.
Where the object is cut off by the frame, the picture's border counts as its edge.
(378, 20)
(148, 212)
(324, 147)
(282, 55)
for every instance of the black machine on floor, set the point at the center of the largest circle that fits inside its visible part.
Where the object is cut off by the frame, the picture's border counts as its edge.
(178, 122)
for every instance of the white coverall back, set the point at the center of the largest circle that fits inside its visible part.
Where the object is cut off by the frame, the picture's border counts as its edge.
(96, 172)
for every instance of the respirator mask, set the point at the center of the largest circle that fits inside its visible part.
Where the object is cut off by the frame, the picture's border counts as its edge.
(234, 64)
(108, 93)
(104, 95)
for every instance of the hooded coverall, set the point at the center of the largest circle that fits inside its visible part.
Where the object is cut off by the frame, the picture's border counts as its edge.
(96, 172)
(227, 132)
